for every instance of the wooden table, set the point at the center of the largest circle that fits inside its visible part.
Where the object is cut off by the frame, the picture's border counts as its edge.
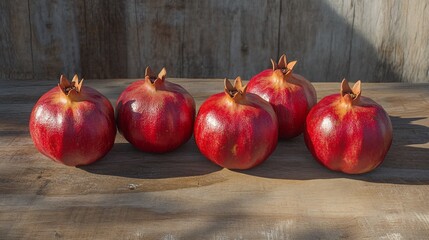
(181, 195)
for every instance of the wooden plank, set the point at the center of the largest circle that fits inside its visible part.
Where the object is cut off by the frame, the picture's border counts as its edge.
(15, 35)
(105, 51)
(317, 34)
(397, 37)
(55, 37)
(374, 42)
(414, 41)
(229, 38)
(160, 35)
(134, 67)
(181, 195)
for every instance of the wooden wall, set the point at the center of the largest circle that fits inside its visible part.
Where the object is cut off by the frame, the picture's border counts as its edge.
(372, 40)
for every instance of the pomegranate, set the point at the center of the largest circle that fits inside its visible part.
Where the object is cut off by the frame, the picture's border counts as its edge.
(73, 124)
(155, 115)
(290, 94)
(235, 129)
(348, 132)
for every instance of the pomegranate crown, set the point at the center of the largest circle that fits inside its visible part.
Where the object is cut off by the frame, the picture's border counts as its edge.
(152, 78)
(68, 87)
(351, 95)
(236, 91)
(283, 66)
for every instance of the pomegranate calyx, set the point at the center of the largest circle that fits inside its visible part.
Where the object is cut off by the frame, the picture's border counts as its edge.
(274, 64)
(236, 91)
(149, 74)
(283, 68)
(351, 95)
(162, 74)
(69, 88)
(154, 80)
(282, 62)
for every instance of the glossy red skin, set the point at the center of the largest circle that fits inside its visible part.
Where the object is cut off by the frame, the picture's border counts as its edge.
(236, 136)
(158, 120)
(73, 132)
(350, 139)
(291, 99)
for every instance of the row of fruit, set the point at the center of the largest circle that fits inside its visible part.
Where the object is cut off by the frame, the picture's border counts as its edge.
(237, 129)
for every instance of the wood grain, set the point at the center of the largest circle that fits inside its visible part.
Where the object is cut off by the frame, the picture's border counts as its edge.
(15, 41)
(134, 64)
(376, 41)
(388, 60)
(55, 37)
(415, 66)
(105, 51)
(181, 195)
(161, 35)
(390, 30)
(307, 35)
(229, 38)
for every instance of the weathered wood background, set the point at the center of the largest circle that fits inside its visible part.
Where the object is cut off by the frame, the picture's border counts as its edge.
(359, 39)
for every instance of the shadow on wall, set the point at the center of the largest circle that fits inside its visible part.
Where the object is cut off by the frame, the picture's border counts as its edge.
(232, 39)
(324, 37)
(330, 39)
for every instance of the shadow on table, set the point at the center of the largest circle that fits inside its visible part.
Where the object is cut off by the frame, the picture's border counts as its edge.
(126, 161)
(404, 164)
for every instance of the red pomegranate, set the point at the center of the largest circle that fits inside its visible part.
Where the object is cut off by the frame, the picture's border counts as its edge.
(235, 129)
(291, 95)
(348, 132)
(155, 115)
(73, 124)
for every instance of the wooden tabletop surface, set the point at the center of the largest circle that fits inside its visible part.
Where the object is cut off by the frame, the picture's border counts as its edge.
(181, 195)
